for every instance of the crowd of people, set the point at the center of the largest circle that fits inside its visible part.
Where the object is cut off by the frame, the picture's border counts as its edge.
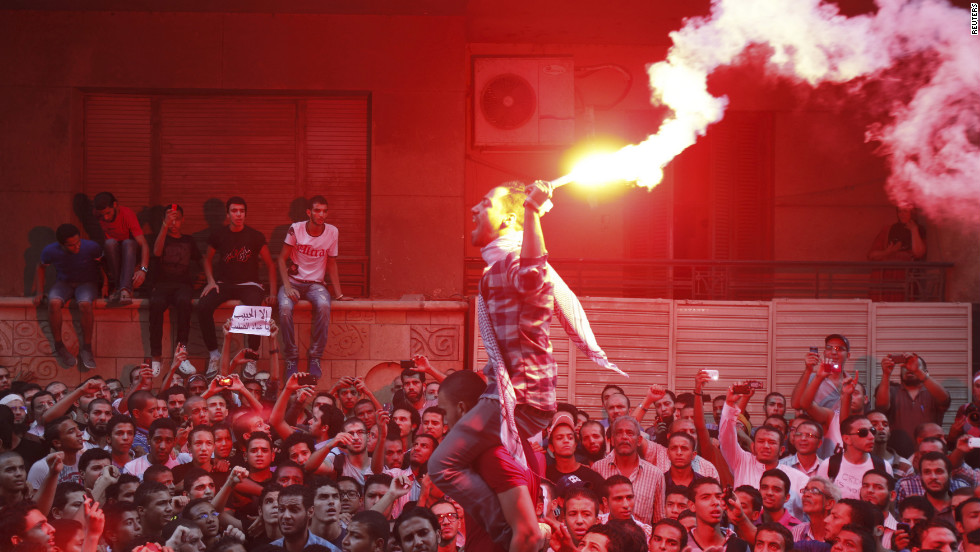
(233, 457)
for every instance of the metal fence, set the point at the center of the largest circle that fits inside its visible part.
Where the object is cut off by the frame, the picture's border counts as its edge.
(746, 280)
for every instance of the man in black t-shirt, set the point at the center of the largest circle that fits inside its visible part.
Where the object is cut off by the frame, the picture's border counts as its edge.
(562, 443)
(176, 255)
(236, 276)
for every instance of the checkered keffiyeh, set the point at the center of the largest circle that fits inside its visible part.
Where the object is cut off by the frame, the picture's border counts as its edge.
(518, 298)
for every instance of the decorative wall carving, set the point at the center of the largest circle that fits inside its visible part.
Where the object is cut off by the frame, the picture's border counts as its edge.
(436, 342)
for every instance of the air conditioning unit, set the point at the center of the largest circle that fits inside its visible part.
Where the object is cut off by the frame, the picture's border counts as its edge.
(523, 102)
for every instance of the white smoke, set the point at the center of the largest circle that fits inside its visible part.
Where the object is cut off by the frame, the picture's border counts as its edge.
(931, 135)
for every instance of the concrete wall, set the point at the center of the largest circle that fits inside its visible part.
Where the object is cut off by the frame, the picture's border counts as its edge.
(366, 338)
(828, 203)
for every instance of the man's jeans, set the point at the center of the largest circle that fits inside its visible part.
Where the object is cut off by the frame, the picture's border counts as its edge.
(316, 294)
(451, 465)
(120, 259)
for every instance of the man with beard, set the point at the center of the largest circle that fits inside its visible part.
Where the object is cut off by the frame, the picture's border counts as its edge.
(879, 421)
(353, 460)
(205, 516)
(295, 511)
(819, 498)
(935, 469)
(413, 385)
(914, 400)
(417, 470)
(593, 446)
(417, 530)
(561, 443)
(663, 401)
(13, 478)
(848, 468)
(74, 404)
(163, 434)
(97, 433)
(121, 430)
(325, 522)
(174, 396)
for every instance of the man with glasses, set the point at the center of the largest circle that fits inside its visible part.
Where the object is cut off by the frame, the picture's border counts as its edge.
(806, 439)
(819, 497)
(847, 469)
(448, 526)
(350, 497)
(837, 349)
(205, 516)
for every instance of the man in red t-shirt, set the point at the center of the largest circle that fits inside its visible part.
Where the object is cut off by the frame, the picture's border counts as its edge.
(122, 236)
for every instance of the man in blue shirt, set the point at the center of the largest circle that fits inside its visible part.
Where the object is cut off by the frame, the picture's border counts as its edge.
(78, 264)
(295, 510)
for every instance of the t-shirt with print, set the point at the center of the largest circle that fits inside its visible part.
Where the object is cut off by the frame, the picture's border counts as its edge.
(74, 268)
(175, 263)
(850, 475)
(236, 254)
(123, 227)
(308, 259)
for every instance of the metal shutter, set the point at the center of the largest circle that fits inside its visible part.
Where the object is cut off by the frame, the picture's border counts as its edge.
(198, 150)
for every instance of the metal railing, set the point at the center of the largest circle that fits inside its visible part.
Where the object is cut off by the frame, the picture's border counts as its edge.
(746, 280)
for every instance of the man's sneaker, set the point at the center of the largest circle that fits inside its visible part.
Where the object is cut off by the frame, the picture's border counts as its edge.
(315, 367)
(64, 355)
(250, 369)
(187, 368)
(155, 366)
(88, 359)
(291, 366)
(214, 366)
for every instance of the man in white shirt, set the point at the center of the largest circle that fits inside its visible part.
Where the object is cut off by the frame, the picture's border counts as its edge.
(747, 467)
(163, 434)
(308, 255)
(847, 470)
